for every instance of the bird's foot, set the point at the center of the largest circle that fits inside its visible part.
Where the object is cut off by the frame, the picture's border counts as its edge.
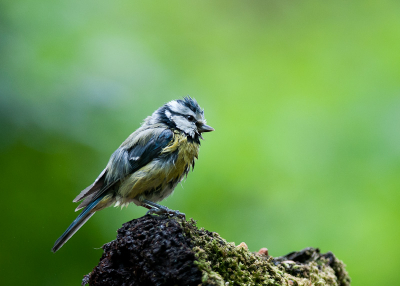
(166, 211)
(176, 213)
(154, 211)
(159, 209)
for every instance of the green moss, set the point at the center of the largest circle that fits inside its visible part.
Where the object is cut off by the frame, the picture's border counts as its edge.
(223, 263)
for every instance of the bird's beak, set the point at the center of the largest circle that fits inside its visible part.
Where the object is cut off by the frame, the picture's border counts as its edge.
(201, 127)
(204, 128)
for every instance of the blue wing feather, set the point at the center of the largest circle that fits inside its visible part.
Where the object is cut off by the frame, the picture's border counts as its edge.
(141, 155)
(127, 161)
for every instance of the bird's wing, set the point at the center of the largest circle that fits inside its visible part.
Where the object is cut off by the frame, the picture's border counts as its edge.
(125, 161)
(143, 153)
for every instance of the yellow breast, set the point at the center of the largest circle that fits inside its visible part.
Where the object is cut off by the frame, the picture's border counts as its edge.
(188, 151)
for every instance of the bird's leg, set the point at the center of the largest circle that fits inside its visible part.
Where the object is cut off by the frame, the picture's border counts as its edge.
(152, 210)
(159, 209)
(155, 211)
(147, 206)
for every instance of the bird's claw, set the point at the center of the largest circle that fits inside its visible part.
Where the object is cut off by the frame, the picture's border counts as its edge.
(177, 213)
(166, 211)
(154, 211)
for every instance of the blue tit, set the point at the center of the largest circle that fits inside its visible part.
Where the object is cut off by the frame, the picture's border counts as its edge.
(148, 165)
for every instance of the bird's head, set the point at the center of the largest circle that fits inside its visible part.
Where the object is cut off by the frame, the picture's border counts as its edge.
(184, 114)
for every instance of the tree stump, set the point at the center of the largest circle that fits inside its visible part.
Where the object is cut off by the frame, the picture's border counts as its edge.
(159, 250)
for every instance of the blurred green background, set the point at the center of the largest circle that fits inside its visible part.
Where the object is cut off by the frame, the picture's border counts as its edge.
(304, 97)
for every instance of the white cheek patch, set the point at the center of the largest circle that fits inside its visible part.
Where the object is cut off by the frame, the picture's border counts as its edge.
(168, 114)
(184, 125)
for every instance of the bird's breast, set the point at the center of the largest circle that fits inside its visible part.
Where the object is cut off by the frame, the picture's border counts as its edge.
(186, 152)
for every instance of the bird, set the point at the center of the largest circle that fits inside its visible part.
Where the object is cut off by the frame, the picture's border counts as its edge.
(148, 165)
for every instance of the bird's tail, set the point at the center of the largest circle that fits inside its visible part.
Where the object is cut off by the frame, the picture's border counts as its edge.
(76, 224)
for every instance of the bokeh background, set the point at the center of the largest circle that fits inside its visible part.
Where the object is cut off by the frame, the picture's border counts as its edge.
(304, 97)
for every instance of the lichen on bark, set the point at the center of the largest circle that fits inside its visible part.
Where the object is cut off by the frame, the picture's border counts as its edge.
(157, 250)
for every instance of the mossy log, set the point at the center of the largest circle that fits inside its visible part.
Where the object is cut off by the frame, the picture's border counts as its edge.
(158, 250)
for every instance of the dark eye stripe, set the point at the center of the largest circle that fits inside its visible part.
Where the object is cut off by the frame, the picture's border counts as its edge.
(186, 116)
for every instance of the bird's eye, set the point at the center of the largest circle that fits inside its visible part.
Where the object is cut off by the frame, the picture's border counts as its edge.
(190, 118)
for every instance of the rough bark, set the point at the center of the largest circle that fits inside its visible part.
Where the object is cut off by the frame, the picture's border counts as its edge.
(157, 250)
